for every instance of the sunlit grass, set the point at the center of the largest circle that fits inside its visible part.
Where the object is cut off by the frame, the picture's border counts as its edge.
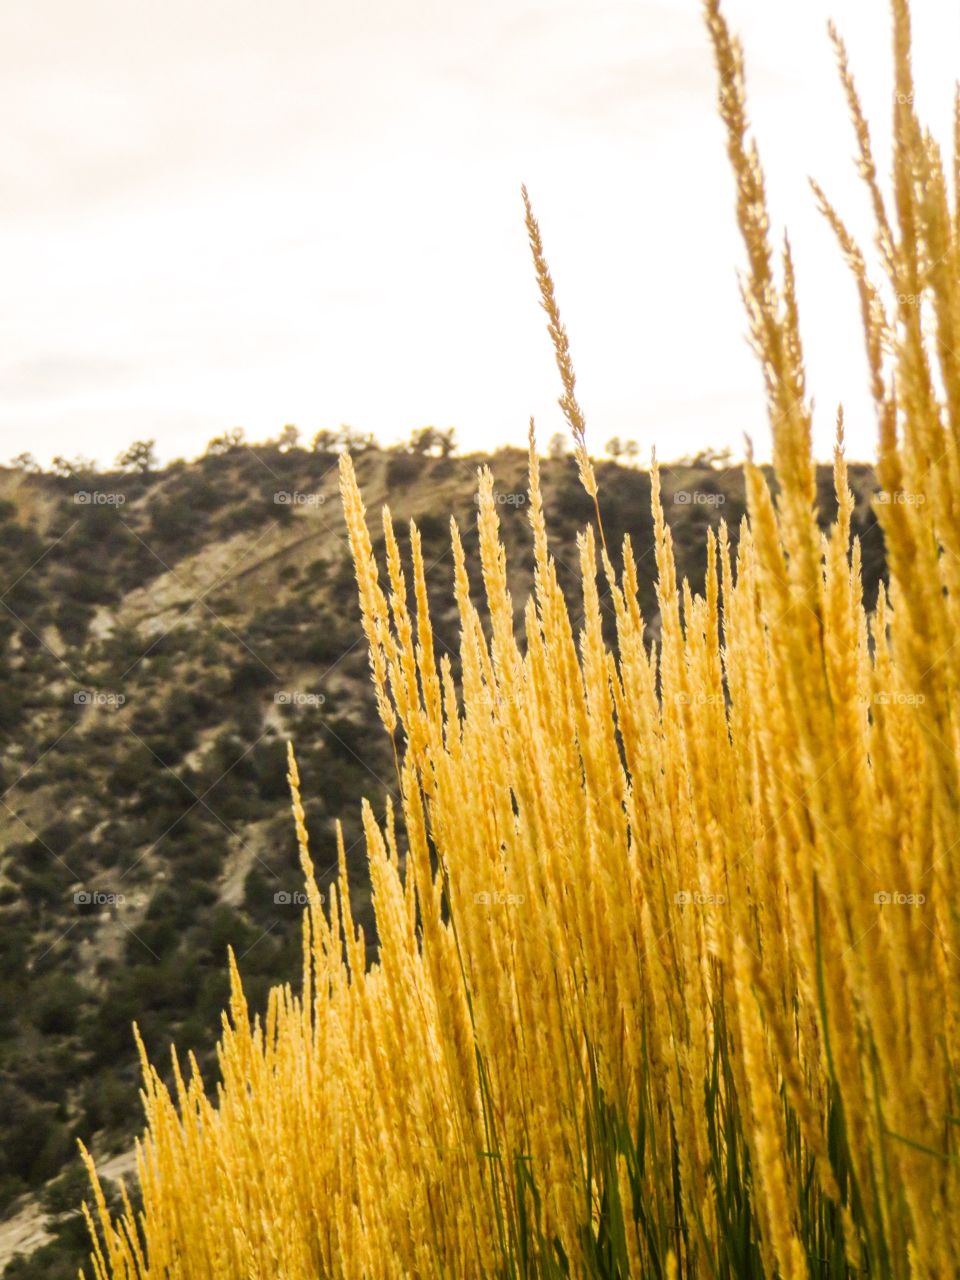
(668, 959)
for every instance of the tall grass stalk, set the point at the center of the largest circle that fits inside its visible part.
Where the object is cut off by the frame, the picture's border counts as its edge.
(669, 964)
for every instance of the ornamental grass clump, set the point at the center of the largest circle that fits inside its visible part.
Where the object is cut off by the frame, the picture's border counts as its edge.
(668, 964)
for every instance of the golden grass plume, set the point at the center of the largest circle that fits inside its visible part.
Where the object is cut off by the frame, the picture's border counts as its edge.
(669, 954)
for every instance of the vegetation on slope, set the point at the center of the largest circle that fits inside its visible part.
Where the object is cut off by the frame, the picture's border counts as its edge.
(663, 924)
(201, 623)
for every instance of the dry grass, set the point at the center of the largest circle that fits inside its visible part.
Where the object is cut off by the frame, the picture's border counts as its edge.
(668, 969)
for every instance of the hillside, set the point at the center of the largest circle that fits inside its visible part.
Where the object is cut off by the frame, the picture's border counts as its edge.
(163, 633)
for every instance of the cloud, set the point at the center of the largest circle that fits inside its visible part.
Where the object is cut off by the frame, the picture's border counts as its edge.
(226, 211)
(53, 377)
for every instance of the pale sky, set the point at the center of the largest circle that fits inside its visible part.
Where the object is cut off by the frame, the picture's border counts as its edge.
(250, 213)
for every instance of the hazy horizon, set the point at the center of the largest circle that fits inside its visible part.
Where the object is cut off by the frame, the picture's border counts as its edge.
(212, 220)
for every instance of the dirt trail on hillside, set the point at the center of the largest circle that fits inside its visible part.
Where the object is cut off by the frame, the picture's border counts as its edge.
(26, 1229)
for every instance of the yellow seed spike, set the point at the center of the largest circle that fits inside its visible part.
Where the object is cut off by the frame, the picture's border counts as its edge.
(561, 346)
(845, 499)
(373, 606)
(695, 899)
(872, 312)
(535, 513)
(868, 168)
(426, 660)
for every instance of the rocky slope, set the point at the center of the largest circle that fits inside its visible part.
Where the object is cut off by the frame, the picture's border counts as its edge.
(162, 634)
